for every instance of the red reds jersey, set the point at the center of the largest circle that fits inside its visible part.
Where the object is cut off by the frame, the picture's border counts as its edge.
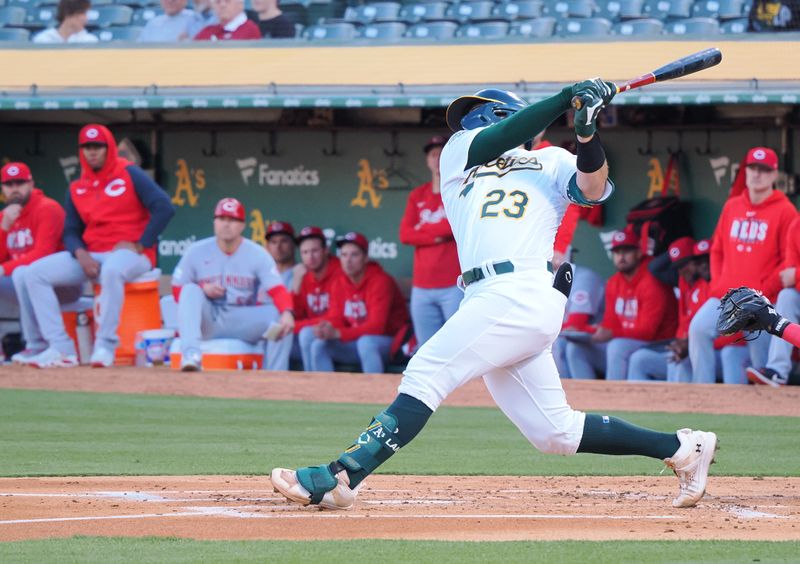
(314, 297)
(35, 234)
(374, 306)
(750, 242)
(238, 28)
(640, 307)
(424, 222)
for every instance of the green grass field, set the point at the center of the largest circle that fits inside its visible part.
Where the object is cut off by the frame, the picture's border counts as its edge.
(56, 434)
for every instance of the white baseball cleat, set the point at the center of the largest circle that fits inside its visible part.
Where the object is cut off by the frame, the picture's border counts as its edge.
(690, 464)
(25, 357)
(102, 357)
(284, 481)
(52, 358)
(191, 361)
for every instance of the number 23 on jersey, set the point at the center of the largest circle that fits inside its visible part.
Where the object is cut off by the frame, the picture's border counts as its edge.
(500, 204)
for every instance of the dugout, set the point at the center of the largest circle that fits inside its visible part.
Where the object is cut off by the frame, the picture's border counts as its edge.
(333, 135)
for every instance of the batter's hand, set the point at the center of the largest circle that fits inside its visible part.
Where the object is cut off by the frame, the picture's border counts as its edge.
(90, 266)
(597, 88)
(213, 290)
(286, 322)
(10, 214)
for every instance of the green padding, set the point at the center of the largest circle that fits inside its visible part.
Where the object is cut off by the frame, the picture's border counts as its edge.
(376, 444)
(318, 480)
(576, 196)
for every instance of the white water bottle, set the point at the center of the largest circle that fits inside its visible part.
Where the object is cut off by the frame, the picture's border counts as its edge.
(84, 335)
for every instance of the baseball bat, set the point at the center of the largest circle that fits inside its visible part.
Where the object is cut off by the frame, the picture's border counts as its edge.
(684, 66)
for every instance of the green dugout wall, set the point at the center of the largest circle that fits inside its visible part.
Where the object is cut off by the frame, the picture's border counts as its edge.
(359, 180)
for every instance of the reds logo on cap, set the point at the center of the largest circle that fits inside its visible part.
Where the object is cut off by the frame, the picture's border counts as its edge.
(15, 171)
(92, 133)
(229, 207)
(702, 247)
(759, 154)
(762, 156)
(619, 236)
(356, 238)
(674, 252)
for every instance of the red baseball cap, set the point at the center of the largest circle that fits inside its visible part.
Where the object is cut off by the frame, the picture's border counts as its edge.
(277, 227)
(229, 207)
(624, 238)
(681, 250)
(763, 156)
(92, 134)
(311, 232)
(15, 171)
(435, 141)
(356, 238)
(702, 247)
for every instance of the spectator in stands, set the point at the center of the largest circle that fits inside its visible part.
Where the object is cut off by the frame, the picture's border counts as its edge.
(175, 24)
(748, 249)
(779, 361)
(367, 310)
(206, 11)
(233, 23)
(434, 296)
(271, 21)
(775, 15)
(312, 298)
(114, 215)
(218, 284)
(31, 226)
(583, 312)
(639, 310)
(281, 245)
(71, 17)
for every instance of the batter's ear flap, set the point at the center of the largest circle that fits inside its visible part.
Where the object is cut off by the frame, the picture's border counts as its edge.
(562, 281)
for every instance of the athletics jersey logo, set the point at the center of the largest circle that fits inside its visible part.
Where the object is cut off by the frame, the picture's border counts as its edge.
(499, 168)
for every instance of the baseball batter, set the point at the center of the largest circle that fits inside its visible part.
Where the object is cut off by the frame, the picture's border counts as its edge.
(504, 204)
(227, 286)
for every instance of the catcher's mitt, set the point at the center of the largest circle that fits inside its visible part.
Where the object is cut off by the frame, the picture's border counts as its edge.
(745, 309)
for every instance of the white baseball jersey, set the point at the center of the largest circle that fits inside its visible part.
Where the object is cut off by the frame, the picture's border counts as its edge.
(246, 275)
(508, 208)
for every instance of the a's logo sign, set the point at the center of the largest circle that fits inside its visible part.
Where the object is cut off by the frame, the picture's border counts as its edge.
(92, 133)
(369, 180)
(188, 181)
(13, 171)
(115, 188)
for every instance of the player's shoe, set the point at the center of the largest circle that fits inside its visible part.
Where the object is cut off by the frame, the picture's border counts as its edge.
(333, 492)
(690, 464)
(52, 358)
(191, 361)
(25, 357)
(766, 376)
(102, 357)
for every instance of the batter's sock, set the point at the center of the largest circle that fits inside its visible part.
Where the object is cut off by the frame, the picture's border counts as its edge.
(603, 434)
(377, 443)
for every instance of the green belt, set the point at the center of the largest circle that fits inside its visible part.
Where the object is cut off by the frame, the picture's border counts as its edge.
(503, 267)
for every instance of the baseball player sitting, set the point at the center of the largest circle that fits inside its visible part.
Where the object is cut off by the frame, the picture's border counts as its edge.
(639, 310)
(281, 247)
(366, 310)
(114, 215)
(218, 284)
(749, 248)
(314, 278)
(31, 225)
(584, 307)
(504, 204)
(779, 360)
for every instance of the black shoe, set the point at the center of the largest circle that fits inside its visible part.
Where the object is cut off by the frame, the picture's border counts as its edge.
(766, 376)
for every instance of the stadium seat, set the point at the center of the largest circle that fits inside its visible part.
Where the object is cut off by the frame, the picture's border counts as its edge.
(584, 27)
(732, 9)
(426, 11)
(693, 26)
(141, 17)
(647, 27)
(470, 11)
(12, 16)
(733, 27)
(664, 9)
(317, 11)
(14, 34)
(483, 30)
(620, 9)
(581, 8)
(341, 31)
(537, 28)
(383, 31)
(523, 10)
(375, 12)
(106, 16)
(433, 30)
(41, 16)
(129, 33)
(557, 8)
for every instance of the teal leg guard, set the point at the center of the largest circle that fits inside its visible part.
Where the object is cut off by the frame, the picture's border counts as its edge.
(318, 480)
(372, 448)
